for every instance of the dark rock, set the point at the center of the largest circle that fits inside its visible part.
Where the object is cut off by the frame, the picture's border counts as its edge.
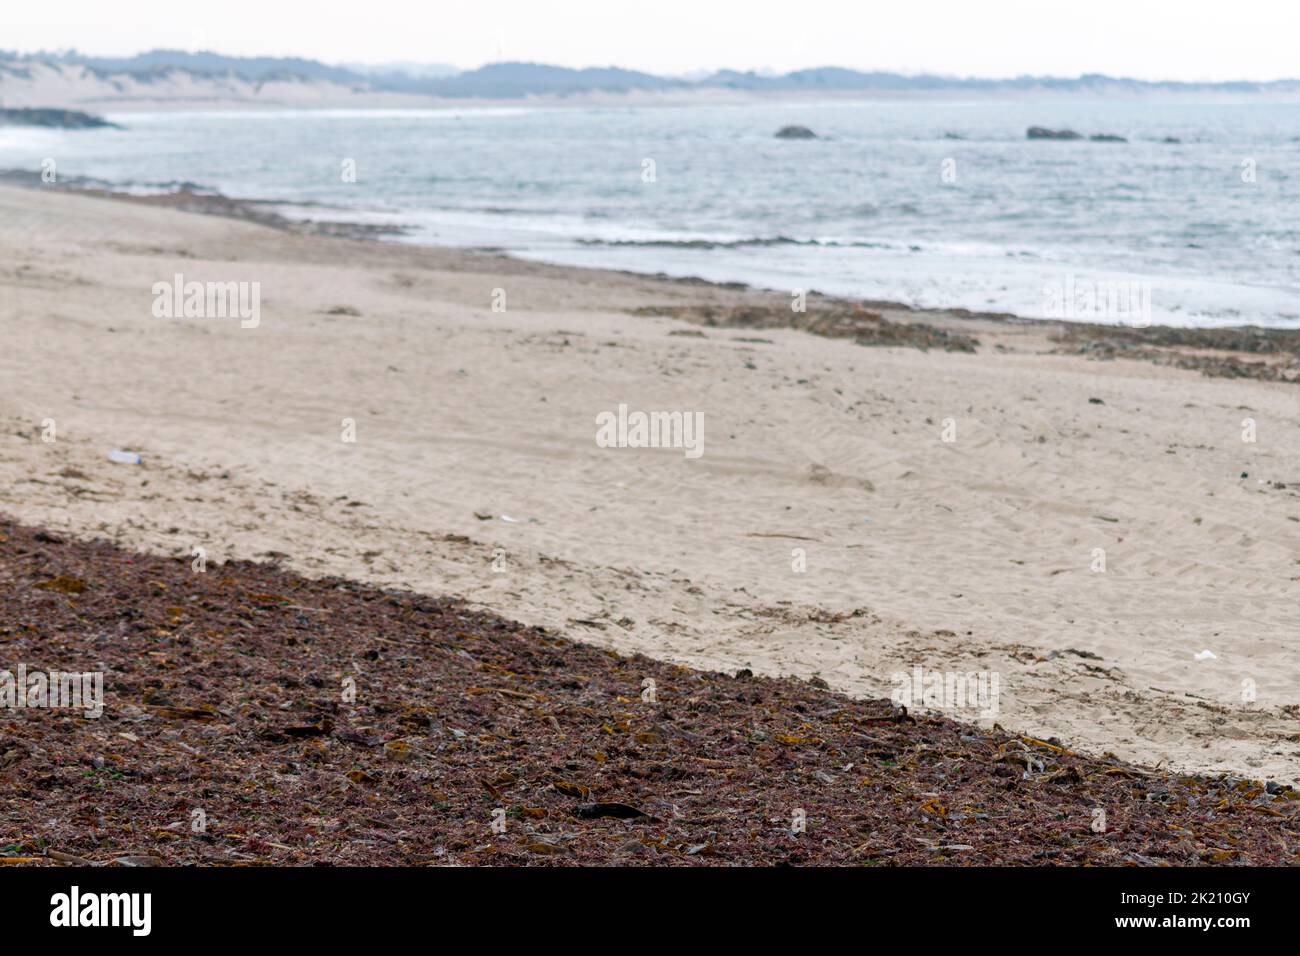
(1107, 138)
(1040, 132)
(54, 119)
(1171, 139)
(795, 132)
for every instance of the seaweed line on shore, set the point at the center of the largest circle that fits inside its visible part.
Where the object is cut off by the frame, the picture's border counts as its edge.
(1246, 351)
(474, 740)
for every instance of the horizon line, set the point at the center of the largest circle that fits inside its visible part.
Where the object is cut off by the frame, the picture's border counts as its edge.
(689, 76)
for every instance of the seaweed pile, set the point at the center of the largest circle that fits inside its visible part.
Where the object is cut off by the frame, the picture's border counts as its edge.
(832, 318)
(251, 716)
(1217, 353)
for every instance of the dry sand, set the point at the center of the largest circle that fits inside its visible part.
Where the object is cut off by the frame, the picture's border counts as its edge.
(970, 555)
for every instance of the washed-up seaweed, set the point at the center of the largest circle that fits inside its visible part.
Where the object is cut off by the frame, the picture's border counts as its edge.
(251, 716)
(1269, 355)
(832, 318)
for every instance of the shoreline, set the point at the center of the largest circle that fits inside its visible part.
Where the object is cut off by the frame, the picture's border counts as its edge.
(1234, 351)
(474, 432)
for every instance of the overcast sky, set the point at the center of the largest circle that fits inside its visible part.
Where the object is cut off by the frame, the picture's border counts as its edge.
(1149, 39)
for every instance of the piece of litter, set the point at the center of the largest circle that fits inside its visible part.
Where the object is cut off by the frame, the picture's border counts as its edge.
(510, 519)
(1206, 656)
(124, 457)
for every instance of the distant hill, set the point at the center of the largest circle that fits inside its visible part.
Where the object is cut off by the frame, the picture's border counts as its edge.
(405, 68)
(176, 76)
(249, 68)
(508, 80)
(838, 79)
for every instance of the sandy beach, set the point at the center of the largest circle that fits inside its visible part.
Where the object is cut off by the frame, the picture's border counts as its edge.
(827, 530)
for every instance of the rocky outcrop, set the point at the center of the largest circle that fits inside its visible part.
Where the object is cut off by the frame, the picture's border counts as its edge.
(795, 132)
(1041, 132)
(53, 119)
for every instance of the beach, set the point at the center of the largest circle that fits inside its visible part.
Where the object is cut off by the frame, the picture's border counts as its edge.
(857, 511)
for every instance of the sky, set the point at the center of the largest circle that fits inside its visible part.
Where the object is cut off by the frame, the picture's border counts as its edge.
(1146, 39)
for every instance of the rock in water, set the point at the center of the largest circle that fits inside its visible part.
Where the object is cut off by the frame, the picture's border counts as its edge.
(56, 119)
(1107, 138)
(795, 132)
(1040, 132)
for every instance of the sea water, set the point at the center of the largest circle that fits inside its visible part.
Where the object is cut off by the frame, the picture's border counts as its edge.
(929, 202)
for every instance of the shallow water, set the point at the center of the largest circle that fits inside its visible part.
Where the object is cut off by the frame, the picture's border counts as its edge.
(889, 203)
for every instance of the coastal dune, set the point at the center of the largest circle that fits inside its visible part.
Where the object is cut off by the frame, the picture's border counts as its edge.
(828, 529)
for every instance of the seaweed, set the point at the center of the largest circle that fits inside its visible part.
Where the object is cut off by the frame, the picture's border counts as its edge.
(253, 716)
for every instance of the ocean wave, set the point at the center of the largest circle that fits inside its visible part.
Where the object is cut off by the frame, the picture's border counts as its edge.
(756, 242)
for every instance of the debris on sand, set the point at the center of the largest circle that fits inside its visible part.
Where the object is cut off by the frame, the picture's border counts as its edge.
(832, 318)
(1270, 355)
(251, 716)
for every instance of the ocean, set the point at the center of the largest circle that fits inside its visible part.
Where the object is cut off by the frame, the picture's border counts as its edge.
(929, 202)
